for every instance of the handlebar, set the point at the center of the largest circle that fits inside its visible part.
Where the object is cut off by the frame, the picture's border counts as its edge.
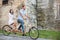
(31, 20)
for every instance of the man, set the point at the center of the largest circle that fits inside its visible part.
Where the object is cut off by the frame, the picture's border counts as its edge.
(21, 16)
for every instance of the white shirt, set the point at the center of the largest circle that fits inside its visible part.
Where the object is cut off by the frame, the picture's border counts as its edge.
(11, 19)
(23, 12)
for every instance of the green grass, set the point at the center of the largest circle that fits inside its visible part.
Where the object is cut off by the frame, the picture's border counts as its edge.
(0, 31)
(45, 34)
(49, 34)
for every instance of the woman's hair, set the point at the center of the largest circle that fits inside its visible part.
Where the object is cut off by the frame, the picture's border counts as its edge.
(11, 11)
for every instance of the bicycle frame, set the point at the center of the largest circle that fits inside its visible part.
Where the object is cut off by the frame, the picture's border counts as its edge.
(29, 24)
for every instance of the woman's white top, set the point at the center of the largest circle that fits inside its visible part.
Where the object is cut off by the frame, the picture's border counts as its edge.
(11, 19)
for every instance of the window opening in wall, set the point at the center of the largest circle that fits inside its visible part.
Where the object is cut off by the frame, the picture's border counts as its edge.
(5, 2)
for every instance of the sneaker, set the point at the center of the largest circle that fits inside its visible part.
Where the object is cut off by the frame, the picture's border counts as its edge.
(15, 33)
(23, 35)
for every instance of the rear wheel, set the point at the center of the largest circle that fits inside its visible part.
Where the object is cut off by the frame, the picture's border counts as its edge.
(34, 33)
(6, 29)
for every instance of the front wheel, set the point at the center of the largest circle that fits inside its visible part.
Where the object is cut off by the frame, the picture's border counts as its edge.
(34, 33)
(6, 30)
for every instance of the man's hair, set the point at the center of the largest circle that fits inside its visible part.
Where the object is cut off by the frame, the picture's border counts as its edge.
(23, 5)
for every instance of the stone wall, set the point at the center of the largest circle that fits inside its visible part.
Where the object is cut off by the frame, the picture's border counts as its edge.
(51, 14)
(57, 21)
(5, 10)
(31, 11)
(0, 3)
(46, 6)
(0, 17)
(42, 6)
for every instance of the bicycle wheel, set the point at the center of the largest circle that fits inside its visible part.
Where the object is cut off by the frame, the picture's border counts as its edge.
(6, 30)
(34, 33)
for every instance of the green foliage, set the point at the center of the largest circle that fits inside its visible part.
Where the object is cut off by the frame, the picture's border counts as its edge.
(48, 34)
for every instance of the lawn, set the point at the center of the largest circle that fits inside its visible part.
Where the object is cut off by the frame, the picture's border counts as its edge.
(49, 34)
(45, 34)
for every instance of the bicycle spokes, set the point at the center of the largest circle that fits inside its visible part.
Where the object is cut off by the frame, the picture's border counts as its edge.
(33, 33)
(6, 30)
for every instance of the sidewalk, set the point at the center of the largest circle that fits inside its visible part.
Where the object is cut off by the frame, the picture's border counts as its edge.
(14, 37)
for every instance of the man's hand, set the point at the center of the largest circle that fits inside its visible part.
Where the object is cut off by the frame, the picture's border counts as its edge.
(27, 16)
(24, 18)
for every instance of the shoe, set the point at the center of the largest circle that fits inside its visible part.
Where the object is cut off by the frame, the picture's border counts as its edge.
(15, 33)
(23, 35)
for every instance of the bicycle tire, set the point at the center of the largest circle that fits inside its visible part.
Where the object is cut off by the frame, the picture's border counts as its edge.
(37, 31)
(3, 30)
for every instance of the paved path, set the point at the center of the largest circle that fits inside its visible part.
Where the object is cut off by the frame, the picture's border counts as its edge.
(14, 37)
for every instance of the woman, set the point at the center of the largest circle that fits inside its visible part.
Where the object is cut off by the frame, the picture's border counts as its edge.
(11, 19)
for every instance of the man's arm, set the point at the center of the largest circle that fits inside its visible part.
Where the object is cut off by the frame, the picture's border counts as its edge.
(21, 15)
(27, 16)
